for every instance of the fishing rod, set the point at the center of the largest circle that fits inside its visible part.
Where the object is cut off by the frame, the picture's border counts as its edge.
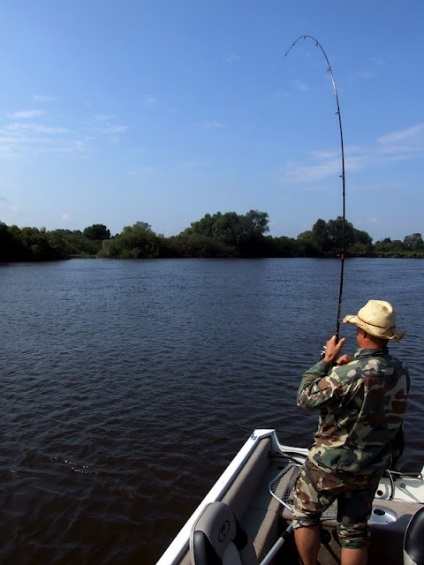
(342, 175)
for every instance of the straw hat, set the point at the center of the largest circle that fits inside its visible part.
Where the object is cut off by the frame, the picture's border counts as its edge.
(377, 318)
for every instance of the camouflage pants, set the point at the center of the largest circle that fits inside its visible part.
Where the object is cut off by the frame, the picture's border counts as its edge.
(315, 491)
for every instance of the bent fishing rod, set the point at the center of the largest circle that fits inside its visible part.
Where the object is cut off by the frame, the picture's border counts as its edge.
(342, 175)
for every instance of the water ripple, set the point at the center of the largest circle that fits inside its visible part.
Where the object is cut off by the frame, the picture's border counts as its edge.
(129, 385)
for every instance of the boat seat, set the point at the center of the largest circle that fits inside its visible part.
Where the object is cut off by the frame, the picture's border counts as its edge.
(413, 547)
(218, 539)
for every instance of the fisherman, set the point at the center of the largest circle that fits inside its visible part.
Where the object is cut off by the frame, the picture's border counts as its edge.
(362, 401)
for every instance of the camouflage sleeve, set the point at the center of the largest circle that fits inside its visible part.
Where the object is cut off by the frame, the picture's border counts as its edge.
(320, 384)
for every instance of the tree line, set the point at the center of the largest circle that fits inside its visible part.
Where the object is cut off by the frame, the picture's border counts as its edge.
(219, 235)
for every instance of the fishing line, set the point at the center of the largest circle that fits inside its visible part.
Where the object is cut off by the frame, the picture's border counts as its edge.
(342, 175)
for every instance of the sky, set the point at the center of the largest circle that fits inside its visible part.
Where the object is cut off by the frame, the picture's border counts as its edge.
(162, 111)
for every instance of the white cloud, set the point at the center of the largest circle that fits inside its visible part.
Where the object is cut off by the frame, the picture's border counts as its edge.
(26, 114)
(105, 126)
(412, 133)
(213, 125)
(293, 173)
(103, 117)
(115, 130)
(142, 171)
(233, 58)
(318, 165)
(301, 86)
(377, 65)
(195, 164)
(403, 144)
(17, 127)
(41, 98)
(33, 132)
(150, 101)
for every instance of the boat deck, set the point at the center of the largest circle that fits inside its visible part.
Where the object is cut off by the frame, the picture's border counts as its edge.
(265, 519)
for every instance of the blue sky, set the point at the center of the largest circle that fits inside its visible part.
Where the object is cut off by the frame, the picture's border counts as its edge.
(118, 111)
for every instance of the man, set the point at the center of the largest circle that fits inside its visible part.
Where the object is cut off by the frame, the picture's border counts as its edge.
(362, 401)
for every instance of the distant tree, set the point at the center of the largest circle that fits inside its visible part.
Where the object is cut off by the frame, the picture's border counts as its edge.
(383, 246)
(282, 247)
(398, 245)
(389, 248)
(306, 245)
(335, 235)
(34, 242)
(341, 234)
(255, 222)
(27, 244)
(362, 237)
(413, 242)
(219, 235)
(97, 232)
(204, 226)
(228, 227)
(195, 245)
(321, 236)
(75, 243)
(135, 242)
(238, 234)
(306, 236)
(9, 244)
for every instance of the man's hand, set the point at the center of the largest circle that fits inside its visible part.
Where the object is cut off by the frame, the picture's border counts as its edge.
(344, 359)
(333, 348)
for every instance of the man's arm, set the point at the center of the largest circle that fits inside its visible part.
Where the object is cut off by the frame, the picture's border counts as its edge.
(319, 384)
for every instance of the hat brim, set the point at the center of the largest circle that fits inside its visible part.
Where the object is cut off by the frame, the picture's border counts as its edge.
(383, 333)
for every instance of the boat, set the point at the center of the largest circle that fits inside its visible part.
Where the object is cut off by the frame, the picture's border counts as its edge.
(246, 516)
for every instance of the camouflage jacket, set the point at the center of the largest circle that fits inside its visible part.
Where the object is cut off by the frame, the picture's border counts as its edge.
(361, 406)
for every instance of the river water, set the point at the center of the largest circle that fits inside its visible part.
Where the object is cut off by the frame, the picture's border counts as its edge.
(128, 386)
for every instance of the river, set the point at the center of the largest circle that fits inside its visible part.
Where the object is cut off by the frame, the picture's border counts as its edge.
(128, 386)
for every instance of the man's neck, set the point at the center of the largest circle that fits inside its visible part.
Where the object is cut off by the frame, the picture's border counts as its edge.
(371, 342)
